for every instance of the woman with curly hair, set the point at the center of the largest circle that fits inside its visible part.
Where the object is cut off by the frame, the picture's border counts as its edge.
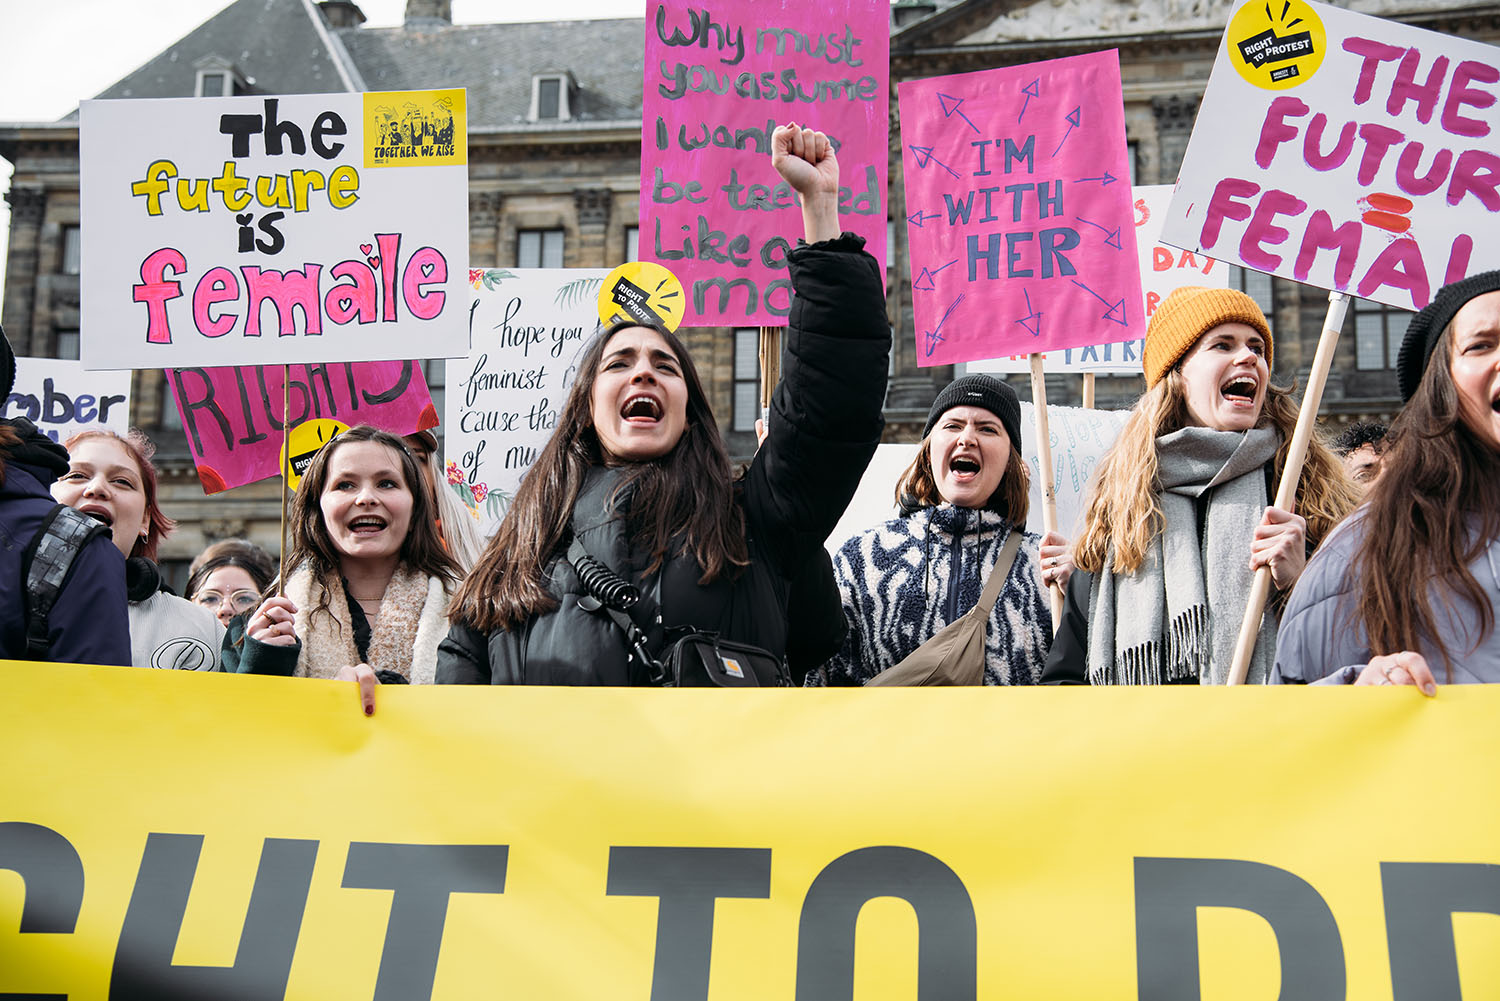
(369, 579)
(1177, 520)
(1413, 578)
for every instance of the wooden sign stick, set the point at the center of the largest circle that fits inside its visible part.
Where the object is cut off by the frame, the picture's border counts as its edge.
(1088, 391)
(770, 366)
(1044, 461)
(1286, 490)
(286, 458)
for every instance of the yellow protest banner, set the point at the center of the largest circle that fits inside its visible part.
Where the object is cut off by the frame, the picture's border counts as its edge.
(173, 835)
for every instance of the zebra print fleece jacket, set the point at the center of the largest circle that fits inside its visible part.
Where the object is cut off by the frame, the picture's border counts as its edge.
(904, 580)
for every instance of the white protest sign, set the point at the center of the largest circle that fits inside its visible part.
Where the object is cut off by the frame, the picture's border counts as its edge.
(273, 230)
(61, 399)
(1163, 269)
(1344, 151)
(1079, 440)
(529, 327)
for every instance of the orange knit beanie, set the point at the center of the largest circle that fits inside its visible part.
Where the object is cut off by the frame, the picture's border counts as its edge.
(1186, 315)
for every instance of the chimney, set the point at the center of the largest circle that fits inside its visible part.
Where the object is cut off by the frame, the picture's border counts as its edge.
(904, 12)
(342, 13)
(429, 13)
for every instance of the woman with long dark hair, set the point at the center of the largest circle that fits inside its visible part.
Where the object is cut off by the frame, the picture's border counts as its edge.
(369, 581)
(1178, 517)
(961, 499)
(1405, 592)
(637, 473)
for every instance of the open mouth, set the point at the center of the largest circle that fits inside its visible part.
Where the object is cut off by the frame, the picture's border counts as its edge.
(962, 465)
(367, 525)
(1240, 391)
(99, 514)
(641, 408)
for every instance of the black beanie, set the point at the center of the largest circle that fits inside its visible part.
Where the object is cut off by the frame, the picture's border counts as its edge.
(1427, 326)
(980, 391)
(7, 367)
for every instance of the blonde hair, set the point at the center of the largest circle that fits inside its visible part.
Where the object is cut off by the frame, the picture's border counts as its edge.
(1124, 504)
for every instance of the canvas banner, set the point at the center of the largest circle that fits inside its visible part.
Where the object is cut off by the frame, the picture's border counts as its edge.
(719, 79)
(530, 325)
(196, 835)
(273, 230)
(1163, 269)
(1344, 151)
(1019, 215)
(232, 416)
(61, 398)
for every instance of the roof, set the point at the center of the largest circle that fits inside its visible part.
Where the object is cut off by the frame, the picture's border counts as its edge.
(279, 46)
(496, 63)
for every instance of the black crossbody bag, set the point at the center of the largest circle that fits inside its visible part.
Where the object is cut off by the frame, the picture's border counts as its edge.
(695, 659)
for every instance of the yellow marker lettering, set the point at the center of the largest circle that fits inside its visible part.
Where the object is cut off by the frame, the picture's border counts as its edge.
(192, 194)
(158, 177)
(304, 181)
(272, 192)
(232, 188)
(343, 186)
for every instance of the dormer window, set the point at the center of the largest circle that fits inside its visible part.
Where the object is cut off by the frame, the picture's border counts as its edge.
(217, 77)
(552, 97)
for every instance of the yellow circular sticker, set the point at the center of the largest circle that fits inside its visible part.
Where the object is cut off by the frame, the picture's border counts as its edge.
(642, 291)
(303, 442)
(1276, 44)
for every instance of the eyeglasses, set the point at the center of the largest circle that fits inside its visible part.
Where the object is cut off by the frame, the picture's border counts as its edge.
(239, 601)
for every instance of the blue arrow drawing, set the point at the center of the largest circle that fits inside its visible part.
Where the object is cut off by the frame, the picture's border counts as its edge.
(924, 157)
(934, 338)
(918, 217)
(1032, 89)
(1034, 328)
(955, 109)
(1075, 118)
(928, 276)
(1112, 236)
(1104, 181)
(1109, 314)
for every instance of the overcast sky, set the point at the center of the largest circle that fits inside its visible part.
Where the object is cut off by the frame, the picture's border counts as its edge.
(55, 54)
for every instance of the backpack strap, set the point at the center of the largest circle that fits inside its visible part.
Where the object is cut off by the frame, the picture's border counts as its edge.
(46, 566)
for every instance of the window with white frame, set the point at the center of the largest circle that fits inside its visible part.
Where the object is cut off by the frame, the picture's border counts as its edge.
(551, 97)
(1378, 331)
(539, 248)
(632, 243)
(72, 251)
(746, 379)
(171, 417)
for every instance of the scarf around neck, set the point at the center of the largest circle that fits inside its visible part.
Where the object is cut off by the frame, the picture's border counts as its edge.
(1186, 600)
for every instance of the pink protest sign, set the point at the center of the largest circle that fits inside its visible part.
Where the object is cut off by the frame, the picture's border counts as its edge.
(1018, 210)
(717, 83)
(232, 416)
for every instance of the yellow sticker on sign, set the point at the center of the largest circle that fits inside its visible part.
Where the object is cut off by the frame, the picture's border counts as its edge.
(303, 443)
(1276, 45)
(416, 128)
(642, 291)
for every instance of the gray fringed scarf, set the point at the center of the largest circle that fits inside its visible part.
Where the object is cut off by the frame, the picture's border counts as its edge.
(1152, 626)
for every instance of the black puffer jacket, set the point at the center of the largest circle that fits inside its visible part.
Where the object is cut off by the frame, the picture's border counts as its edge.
(826, 425)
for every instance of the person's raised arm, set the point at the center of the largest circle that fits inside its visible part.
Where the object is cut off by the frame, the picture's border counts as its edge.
(805, 159)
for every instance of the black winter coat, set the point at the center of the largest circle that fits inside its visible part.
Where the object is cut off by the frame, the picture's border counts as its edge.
(826, 424)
